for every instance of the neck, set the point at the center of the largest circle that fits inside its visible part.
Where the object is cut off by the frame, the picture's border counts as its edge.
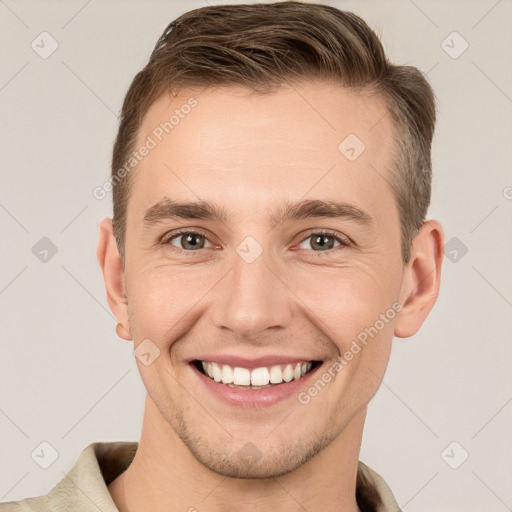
(165, 476)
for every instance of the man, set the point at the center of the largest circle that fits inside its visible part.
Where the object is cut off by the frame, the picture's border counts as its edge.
(271, 178)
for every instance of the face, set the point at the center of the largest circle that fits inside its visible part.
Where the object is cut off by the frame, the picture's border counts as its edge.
(269, 281)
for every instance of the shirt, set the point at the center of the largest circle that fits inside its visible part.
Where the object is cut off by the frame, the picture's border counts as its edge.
(84, 488)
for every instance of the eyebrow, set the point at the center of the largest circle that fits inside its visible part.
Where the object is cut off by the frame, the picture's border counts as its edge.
(167, 209)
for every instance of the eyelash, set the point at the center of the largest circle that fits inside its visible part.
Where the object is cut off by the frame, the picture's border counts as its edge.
(343, 240)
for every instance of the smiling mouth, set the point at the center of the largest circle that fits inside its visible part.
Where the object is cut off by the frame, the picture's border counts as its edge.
(257, 378)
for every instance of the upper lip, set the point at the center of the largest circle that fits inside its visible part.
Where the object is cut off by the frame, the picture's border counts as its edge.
(254, 362)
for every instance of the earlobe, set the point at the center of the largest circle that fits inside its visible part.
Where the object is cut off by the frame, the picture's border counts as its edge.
(422, 277)
(111, 266)
(123, 333)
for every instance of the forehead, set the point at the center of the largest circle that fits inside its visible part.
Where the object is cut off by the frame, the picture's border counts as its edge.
(229, 144)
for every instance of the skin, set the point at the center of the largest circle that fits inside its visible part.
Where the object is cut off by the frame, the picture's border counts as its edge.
(248, 154)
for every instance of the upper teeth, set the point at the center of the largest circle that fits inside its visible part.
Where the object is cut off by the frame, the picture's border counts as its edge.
(256, 377)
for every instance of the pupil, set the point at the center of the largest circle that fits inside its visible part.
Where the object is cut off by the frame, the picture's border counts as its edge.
(189, 241)
(319, 240)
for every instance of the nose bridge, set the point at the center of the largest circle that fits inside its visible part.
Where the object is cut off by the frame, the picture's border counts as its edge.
(251, 298)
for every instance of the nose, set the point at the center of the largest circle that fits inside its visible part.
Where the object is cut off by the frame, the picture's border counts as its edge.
(252, 299)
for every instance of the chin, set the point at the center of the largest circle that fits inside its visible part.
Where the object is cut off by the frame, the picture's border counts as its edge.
(251, 463)
(249, 457)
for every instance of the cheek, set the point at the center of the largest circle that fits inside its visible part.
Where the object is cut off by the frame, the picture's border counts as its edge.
(353, 307)
(162, 299)
(346, 301)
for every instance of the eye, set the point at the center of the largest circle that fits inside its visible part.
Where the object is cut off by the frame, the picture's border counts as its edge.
(192, 241)
(187, 241)
(324, 241)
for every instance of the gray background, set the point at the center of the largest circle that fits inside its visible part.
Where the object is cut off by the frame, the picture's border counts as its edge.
(67, 379)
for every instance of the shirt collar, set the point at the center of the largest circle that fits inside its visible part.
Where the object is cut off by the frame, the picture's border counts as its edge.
(85, 486)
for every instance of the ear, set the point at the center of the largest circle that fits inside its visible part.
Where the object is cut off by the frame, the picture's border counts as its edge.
(421, 280)
(113, 275)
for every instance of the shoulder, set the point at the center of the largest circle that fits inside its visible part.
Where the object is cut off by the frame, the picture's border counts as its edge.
(369, 483)
(37, 504)
(84, 487)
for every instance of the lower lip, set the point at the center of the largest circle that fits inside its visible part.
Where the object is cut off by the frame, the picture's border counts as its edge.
(241, 397)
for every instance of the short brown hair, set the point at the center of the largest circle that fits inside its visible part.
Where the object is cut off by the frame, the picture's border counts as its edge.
(264, 46)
